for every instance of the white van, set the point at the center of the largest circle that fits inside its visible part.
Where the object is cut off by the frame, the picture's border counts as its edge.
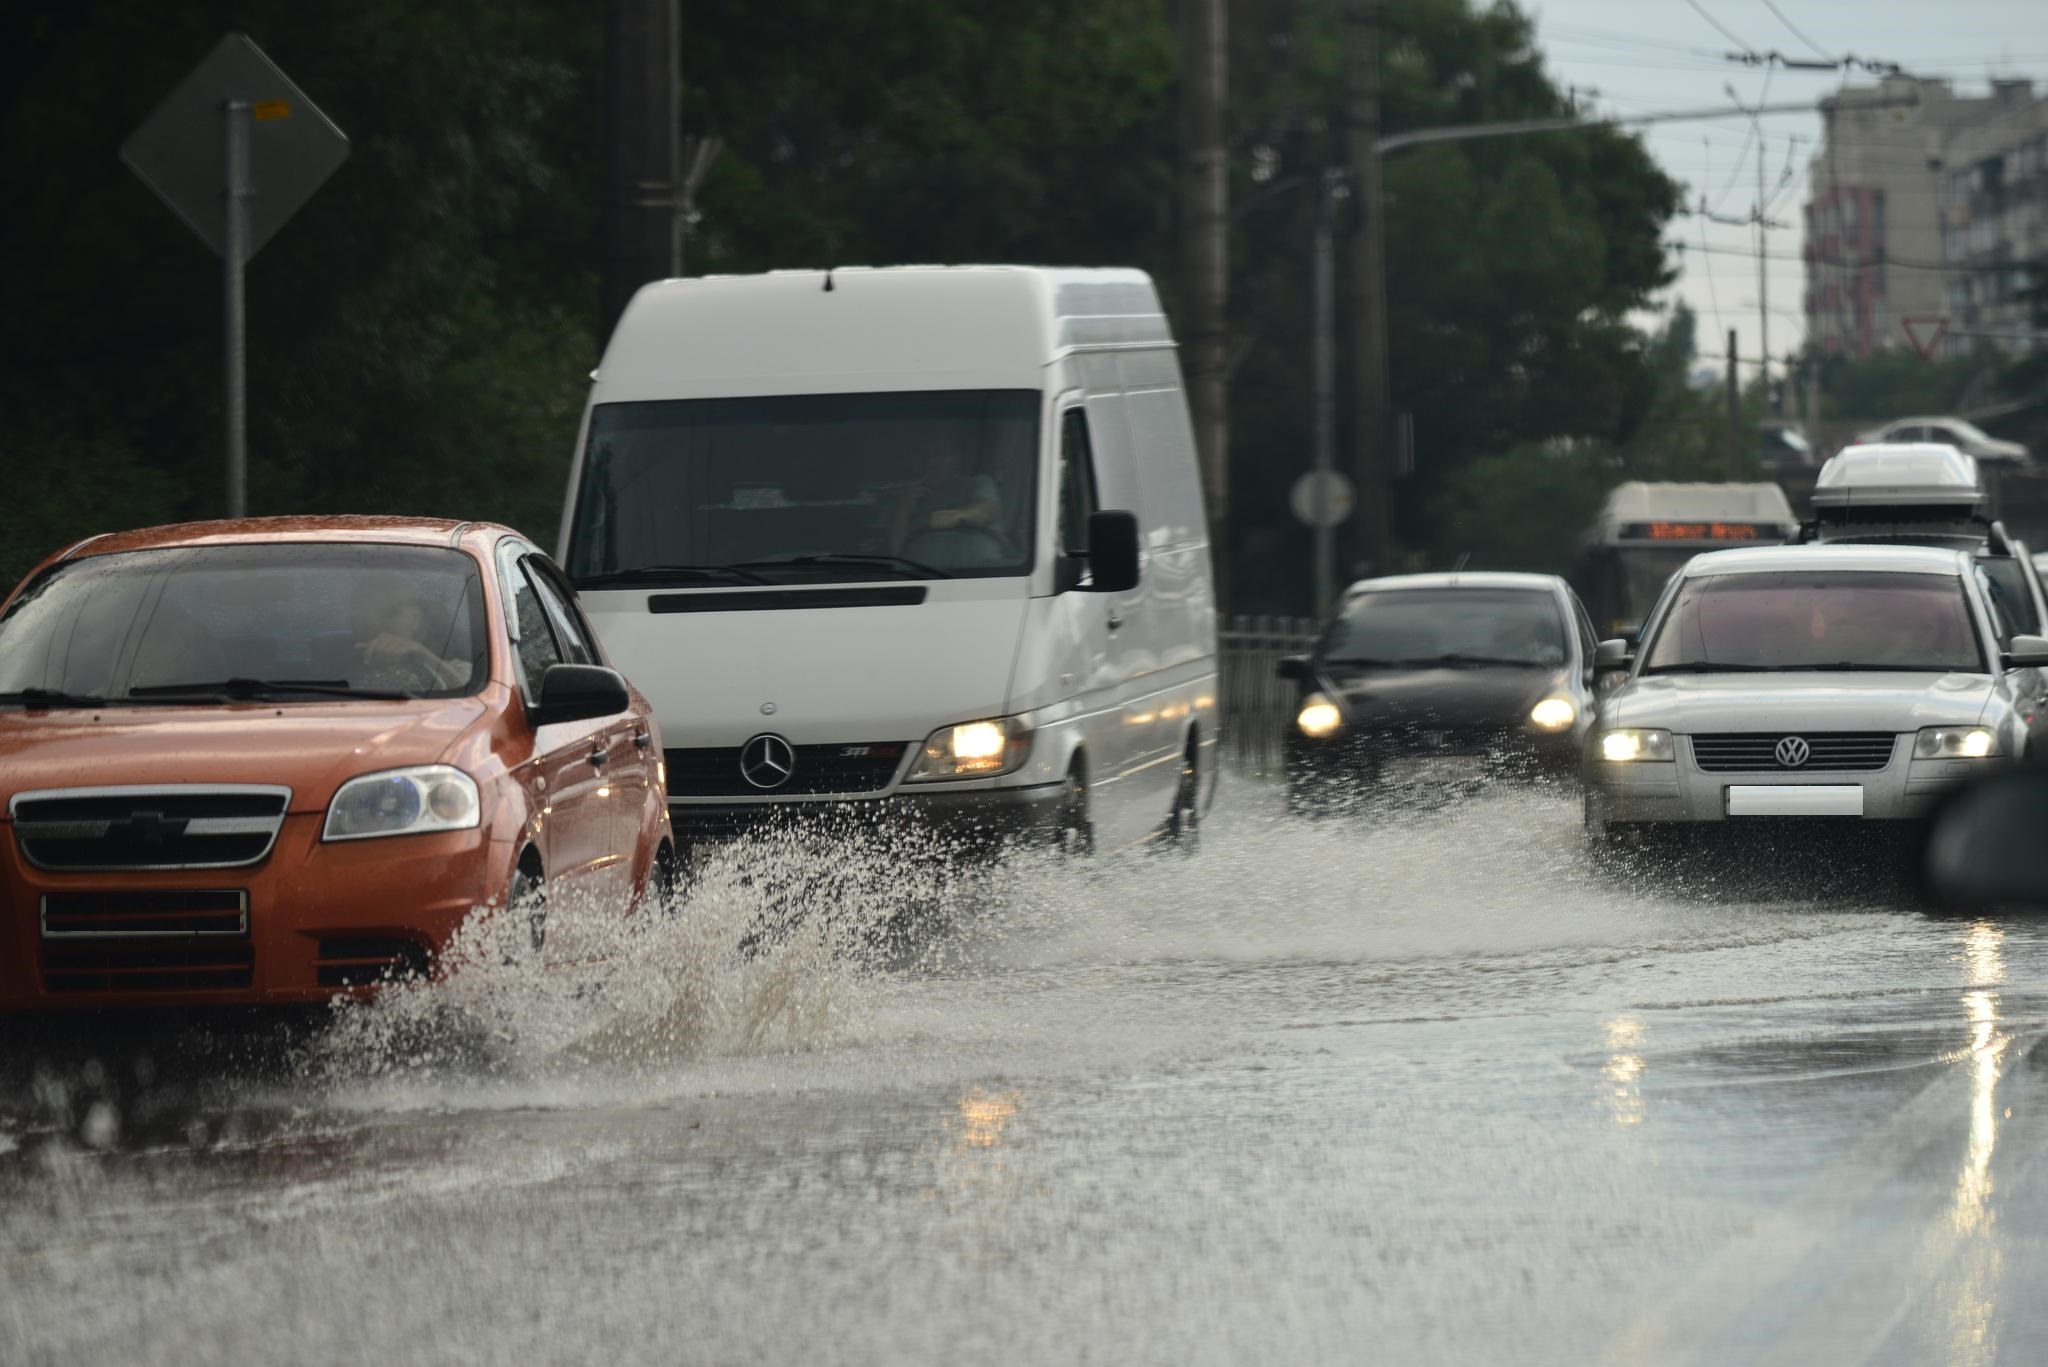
(921, 541)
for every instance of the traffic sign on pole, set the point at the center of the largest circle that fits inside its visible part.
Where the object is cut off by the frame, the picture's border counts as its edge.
(234, 150)
(1323, 498)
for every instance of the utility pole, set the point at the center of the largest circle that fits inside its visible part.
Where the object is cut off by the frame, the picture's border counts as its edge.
(1325, 286)
(642, 210)
(1367, 295)
(1734, 467)
(1763, 279)
(1205, 262)
(235, 115)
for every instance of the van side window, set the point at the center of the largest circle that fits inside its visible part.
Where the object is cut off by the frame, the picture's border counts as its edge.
(1077, 482)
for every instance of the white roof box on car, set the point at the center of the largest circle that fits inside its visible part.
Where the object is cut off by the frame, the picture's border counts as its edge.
(1918, 475)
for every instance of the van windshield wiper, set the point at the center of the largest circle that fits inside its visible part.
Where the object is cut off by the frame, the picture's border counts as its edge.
(672, 574)
(242, 687)
(1707, 667)
(903, 565)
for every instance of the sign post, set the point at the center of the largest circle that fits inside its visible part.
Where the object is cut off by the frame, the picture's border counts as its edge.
(234, 150)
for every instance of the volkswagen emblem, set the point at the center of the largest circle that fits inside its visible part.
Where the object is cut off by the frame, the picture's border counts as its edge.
(767, 761)
(1793, 751)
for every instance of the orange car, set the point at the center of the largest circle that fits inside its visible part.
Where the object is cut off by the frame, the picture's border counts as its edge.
(266, 761)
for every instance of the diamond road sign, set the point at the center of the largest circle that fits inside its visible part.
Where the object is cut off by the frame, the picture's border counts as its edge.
(179, 149)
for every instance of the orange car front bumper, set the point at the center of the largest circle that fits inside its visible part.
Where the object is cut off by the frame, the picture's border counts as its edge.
(311, 920)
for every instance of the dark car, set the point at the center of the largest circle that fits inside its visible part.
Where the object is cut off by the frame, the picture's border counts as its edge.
(1440, 681)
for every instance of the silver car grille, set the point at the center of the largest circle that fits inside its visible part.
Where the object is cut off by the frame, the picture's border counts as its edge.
(168, 826)
(1840, 752)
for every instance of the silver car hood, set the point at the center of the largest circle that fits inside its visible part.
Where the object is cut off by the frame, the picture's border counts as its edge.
(1706, 703)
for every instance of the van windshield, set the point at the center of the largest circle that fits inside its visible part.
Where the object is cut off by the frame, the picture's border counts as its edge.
(923, 485)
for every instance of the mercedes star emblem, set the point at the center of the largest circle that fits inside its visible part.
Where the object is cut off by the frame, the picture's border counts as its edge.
(1793, 751)
(767, 761)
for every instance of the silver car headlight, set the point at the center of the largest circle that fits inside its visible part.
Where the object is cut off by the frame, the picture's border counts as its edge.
(1636, 745)
(972, 749)
(430, 797)
(1318, 718)
(1955, 742)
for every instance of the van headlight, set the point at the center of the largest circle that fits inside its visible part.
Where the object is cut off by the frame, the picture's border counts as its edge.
(1955, 742)
(1319, 717)
(1553, 714)
(1636, 745)
(973, 749)
(431, 797)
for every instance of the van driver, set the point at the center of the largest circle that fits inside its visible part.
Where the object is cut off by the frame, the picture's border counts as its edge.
(944, 498)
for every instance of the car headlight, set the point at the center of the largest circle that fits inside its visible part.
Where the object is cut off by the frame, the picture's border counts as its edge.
(432, 797)
(1554, 714)
(1635, 745)
(1955, 742)
(973, 749)
(1318, 717)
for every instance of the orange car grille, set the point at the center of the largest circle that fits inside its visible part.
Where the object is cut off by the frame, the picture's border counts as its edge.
(169, 827)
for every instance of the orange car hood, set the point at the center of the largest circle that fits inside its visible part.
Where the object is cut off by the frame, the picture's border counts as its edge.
(311, 748)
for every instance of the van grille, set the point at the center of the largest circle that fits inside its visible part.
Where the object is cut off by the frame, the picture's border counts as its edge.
(1830, 752)
(172, 827)
(854, 767)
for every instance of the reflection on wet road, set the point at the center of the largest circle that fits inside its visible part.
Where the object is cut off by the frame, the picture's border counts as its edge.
(1431, 1091)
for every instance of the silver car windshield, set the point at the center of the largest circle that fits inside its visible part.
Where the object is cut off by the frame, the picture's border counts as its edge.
(1862, 620)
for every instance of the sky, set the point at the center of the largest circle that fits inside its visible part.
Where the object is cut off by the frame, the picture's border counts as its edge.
(1646, 55)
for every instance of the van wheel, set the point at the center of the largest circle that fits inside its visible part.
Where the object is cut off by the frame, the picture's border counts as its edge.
(529, 900)
(1184, 825)
(1074, 837)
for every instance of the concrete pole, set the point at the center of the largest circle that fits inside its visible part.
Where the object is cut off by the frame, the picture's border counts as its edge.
(1205, 263)
(1734, 470)
(235, 117)
(642, 210)
(1366, 296)
(1325, 302)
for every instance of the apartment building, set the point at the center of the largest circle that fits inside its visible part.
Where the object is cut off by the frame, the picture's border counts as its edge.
(1874, 216)
(1994, 222)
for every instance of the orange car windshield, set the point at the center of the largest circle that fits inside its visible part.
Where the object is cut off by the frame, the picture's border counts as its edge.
(282, 622)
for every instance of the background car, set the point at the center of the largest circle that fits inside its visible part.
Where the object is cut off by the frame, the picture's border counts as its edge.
(1440, 678)
(1811, 681)
(1965, 436)
(266, 760)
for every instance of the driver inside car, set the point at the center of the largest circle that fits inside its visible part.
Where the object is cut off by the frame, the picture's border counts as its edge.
(389, 633)
(945, 498)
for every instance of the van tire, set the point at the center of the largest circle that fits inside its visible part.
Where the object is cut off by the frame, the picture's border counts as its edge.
(1074, 835)
(1184, 824)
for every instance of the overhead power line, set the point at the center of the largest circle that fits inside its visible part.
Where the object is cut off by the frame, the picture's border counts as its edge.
(1793, 28)
(1724, 30)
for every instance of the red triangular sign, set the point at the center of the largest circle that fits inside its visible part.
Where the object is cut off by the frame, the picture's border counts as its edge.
(1937, 328)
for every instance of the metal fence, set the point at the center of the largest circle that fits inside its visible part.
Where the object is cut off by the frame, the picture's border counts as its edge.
(1257, 702)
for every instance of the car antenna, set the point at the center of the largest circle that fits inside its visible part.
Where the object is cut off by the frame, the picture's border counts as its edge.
(828, 279)
(1459, 568)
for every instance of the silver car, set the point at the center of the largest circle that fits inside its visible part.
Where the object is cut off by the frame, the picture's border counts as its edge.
(1966, 437)
(1811, 681)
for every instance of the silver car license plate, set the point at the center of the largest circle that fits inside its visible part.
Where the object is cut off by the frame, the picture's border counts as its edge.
(1809, 799)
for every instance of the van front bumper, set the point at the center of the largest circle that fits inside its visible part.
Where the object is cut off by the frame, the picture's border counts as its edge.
(958, 819)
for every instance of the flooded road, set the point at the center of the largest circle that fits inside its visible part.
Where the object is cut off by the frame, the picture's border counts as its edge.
(1434, 1091)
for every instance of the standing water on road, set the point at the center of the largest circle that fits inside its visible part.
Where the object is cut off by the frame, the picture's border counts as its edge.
(1426, 1088)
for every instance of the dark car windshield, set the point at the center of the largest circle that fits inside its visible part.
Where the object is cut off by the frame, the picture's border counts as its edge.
(1448, 626)
(1817, 621)
(809, 486)
(290, 622)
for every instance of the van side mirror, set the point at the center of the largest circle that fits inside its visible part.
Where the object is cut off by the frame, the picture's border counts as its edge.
(2027, 652)
(578, 693)
(1610, 656)
(1112, 552)
(1292, 667)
